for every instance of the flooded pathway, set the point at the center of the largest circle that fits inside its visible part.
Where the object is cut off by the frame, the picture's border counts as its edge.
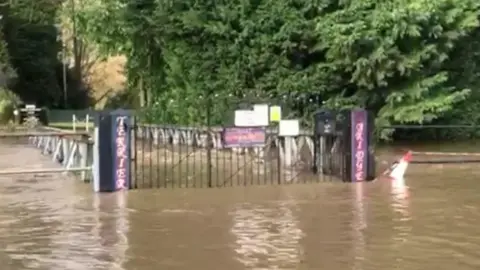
(50, 221)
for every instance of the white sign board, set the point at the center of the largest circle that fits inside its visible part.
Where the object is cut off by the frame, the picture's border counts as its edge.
(262, 111)
(246, 118)
(288, 128)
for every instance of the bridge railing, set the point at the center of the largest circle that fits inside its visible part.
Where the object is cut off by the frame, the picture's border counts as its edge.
(72, 150)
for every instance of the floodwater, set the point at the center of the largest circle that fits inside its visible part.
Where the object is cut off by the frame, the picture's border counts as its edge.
(429, 221)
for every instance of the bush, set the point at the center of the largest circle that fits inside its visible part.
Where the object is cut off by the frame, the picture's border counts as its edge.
(8, 102)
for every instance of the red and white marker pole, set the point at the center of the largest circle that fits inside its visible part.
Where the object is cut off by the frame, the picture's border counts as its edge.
(398, 168)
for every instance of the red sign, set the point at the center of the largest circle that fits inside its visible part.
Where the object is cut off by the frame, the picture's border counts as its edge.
(244, 137)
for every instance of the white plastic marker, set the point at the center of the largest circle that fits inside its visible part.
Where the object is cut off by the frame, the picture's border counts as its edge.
(397, 170)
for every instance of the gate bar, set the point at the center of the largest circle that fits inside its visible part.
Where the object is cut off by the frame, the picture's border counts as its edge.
(48, 170)
(427, 126)
(473, 154)
(43, 134)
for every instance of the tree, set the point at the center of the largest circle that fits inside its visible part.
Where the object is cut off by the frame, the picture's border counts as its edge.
(32, 46)
(397, 58)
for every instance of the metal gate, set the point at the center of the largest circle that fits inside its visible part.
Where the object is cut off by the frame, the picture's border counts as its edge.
(180, 157)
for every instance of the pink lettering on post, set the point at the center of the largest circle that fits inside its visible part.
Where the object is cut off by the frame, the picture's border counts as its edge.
(359, 145)
(121, 151)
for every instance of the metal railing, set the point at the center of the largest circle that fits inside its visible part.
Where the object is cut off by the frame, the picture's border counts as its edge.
(72, 150)
(76, 121)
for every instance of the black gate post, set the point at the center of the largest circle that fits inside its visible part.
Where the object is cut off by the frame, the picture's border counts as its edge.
(133, 154)
(113, 139)
(361, 157)
(371, 168)
(324, 128)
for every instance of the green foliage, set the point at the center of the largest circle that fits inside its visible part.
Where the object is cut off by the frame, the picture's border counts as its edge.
(8, 102)
(396, 54)
(32, 45)
(29, 54)
(123, 100)
(408, 61)
(6, 72)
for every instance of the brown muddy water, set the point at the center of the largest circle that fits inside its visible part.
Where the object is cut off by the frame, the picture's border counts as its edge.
(429, 221)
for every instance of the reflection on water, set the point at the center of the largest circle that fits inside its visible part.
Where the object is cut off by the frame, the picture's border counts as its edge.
(111, 228)
(94, 235)
(50, 222)
(267, 238)
(401, 225)
(400, 206)
(359, 225)
(44, 228)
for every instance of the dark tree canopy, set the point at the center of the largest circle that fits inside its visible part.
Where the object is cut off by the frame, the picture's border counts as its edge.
(33, 45)
(408, 61)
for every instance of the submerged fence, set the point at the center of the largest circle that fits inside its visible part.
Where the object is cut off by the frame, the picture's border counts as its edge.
(169, 156)
(188, 157)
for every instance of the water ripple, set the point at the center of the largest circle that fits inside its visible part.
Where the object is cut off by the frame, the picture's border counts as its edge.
(266, 238)
(51, 222)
